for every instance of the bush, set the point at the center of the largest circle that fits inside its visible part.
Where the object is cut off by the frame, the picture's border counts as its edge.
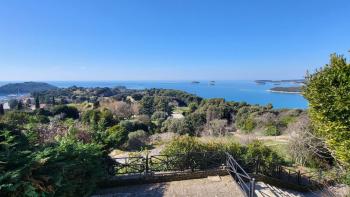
(183, 145)
(69, 168)
(115, 136)
(248, 125)
(180, 126)
(245, 155)
(159, 116)
(134, 125)
(73, 168)
(68, 111)
(285, 120)
(137, 139)
(272, 130)
(257, 151)
(16, 118)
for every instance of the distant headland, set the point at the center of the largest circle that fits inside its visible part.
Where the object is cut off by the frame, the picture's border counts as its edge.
(25, 87)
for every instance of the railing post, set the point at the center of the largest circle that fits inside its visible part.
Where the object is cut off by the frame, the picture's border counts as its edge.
(252, 187)
(299, 176)
(320, 175)
(147, 163)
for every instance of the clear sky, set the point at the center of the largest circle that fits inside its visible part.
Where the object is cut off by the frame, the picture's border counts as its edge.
(169, 39)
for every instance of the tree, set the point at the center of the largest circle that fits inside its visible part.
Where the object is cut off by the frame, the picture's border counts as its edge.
(19, 105)
(147, 105)
(13, 103)
(53, 101)
(2, 111)
(37, 103)
(327, 91)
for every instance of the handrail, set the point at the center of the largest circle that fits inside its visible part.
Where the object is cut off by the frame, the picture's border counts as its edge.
(246, 183)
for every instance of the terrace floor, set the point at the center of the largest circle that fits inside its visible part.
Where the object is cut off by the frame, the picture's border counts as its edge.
(212, 186)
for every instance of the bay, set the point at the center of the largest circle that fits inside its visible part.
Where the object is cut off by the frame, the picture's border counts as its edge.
(240, 91)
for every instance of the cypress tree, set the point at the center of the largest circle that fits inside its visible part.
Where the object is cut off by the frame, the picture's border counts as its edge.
(2, 111)
(53, 101)
(19, 105)
(37, 103)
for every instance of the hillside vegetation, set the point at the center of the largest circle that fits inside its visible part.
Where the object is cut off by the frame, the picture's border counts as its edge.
(63, 148)
(25, 87)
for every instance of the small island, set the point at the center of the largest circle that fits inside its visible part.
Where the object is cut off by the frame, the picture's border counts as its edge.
(195, 82)
(291, 90)
(296, 81)
(25, 87)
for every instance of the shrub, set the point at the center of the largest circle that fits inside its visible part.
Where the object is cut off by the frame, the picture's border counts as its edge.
(248, 125)
(183, 145)
(180, 126)
(192, 107)
(134, 125)
(159, 115)
(246, 155)
(272, 130)
(69, 168)
(16, 118)
(115, 136)
(285, 120)
(73, 168)
(137, 139)
(267, 158)
(68, 111)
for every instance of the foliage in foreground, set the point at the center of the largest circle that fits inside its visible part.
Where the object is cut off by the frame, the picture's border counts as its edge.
(68, 168)
(327, 91)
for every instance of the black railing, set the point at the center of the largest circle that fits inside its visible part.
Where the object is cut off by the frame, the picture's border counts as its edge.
(193, 161)
(289, 174)
(129, 165)
(246, 183)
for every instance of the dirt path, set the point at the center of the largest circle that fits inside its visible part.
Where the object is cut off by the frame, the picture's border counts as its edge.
(250, 137)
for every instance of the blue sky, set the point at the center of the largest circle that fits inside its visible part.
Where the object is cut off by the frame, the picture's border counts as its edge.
(169, 39)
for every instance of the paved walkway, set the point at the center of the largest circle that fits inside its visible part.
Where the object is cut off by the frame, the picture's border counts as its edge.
(208, 187)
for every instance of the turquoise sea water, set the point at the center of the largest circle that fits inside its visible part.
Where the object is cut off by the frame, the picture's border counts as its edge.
(247, 91)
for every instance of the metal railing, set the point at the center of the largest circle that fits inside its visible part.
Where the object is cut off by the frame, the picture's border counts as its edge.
(193, 161)
(289, 174)
(129, 165)
(246, 183)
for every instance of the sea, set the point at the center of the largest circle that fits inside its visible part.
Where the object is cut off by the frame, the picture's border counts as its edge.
(239, 91)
